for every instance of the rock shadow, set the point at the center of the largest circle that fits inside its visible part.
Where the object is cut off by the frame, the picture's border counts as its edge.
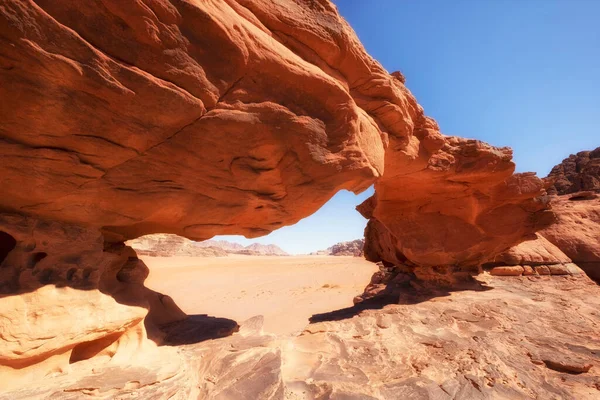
(407, 293)
(195, 329)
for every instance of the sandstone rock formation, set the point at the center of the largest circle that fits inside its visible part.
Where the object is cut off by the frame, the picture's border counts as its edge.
(351, 248)
(577, 230)
(67, 296)
(460, 208)
(189, 118)
(533, 257)
(121, 119)
(578, 172)
(290, 110)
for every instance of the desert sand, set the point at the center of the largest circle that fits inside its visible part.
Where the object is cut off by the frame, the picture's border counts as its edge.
(285, 290)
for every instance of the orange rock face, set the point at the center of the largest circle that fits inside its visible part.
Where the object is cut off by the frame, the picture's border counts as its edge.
(459, 207)
(192, 118)
(577, 229)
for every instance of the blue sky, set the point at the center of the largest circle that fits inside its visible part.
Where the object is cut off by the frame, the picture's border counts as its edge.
(524, 74)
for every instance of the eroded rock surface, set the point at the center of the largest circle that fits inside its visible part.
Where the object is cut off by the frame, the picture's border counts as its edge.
(179, 137)
(578, 172)
(350, 248)
(460, 207)
(67, 296)
(195, 118)
(577, 229)
(504, 337)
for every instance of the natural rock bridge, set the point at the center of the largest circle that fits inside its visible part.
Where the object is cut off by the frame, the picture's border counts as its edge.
(202, 118)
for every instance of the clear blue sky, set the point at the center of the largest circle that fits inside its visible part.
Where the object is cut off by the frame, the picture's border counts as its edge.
(518, 73)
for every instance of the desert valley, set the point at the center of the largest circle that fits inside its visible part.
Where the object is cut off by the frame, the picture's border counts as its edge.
(134, 134)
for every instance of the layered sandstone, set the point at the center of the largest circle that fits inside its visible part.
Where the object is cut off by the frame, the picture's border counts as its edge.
(67, 296)
(577, 229)
(195, 118)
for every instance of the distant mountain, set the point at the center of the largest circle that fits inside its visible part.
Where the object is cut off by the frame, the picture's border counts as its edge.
(168, 245)
(229, 247)
(352, 248)
(255, 249)
(266, 249)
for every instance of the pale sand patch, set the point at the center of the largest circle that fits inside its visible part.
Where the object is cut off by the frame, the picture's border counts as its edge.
(285, 290)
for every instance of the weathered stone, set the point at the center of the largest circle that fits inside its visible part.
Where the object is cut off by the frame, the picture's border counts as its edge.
(558, 269)
(578, 172)
(528, 270)
(542, 270)
(84, 298)
(562, 363)
(576, 231)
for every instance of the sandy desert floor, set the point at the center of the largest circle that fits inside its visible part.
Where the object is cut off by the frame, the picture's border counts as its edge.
(285, 290)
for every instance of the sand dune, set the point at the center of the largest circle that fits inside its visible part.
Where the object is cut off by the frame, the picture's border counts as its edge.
(285, 290)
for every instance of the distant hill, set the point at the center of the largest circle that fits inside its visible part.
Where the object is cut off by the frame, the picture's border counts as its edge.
(229, 247)
(266, 249)
(168, 245)
(352, 248)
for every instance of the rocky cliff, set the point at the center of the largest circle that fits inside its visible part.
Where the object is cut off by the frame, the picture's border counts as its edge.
(351, 248)
(578, 172)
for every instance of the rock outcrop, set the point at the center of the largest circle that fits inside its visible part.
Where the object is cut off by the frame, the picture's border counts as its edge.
(533, 257)
(121, 119)
(506, 338)
(350, 248)
(578, 172)
(577, 229)
(190, 118)
(458, 208)
(576, 184)
(67, 296)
